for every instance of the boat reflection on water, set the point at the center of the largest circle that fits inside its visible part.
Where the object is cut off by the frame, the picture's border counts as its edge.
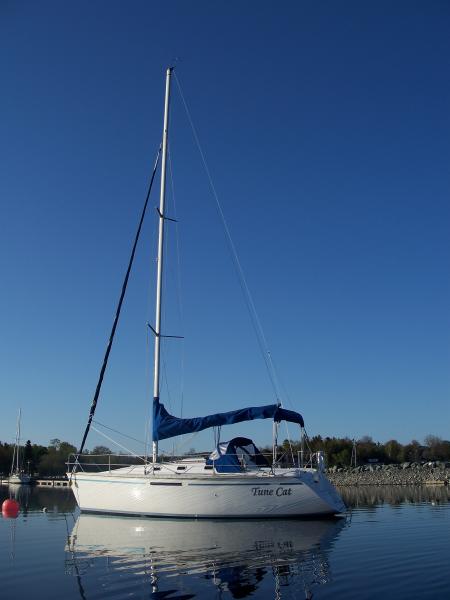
(234, 556)
(394, 495)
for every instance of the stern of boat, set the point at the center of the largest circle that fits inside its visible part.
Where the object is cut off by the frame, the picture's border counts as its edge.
(329, 494)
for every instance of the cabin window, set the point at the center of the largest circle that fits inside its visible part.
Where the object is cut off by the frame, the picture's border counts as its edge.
(181, 468)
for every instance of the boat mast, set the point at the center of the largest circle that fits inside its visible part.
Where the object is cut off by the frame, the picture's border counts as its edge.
(18, 440)
(15, 459)
(159, 281)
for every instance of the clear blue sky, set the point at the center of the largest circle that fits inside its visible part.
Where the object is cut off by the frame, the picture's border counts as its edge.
(327, 131)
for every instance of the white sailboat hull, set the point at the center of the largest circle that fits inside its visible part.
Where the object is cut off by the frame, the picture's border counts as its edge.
(291, 494)
(20, 479)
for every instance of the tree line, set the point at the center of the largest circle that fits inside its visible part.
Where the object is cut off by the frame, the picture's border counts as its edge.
(42, 461)
(338, 451)
(50, 461)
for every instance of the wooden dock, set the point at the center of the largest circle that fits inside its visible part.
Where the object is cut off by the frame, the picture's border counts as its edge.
(59, 483)
(55, 483)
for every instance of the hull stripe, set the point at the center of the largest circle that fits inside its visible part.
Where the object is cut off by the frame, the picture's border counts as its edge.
(234, 484)
(178, 483)
(165, 483)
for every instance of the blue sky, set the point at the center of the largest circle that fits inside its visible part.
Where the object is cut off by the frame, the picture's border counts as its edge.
(326, 129)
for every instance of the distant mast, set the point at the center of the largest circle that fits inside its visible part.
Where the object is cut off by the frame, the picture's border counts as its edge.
(161, 251)
(15, 459)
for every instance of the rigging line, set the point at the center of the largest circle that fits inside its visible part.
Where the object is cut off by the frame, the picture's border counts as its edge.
(179, 286)
(148, 389)
(242, 280)
(71, 548)
(166, 380)
(186, 441)
(119, 307)
(117, 444)
(282, 385)
(118, 432)
(289, 439)
(307, 441)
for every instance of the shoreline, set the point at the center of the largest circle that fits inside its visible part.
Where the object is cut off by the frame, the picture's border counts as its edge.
(403, 474)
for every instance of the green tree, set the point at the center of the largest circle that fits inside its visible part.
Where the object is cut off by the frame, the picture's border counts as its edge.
(342, 458)
(55, 443)
(6, 453)
(413, 452)
(28, 457)
(101, 450)
(54, 461)
(28, 453)
(65, 449)
(393, 451)
(436, 448)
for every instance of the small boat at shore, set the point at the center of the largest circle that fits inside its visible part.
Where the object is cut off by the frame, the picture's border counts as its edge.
(17, 474)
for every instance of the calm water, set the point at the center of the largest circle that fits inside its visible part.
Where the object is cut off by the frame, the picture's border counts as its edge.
(395, 544)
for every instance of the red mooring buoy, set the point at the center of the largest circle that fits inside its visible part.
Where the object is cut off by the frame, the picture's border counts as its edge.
(10, 509)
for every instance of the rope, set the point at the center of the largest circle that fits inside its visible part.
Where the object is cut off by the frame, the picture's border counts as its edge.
(119, 307)
(282, 385)
(179, 286)
(306, 438)
(118, 432)
(117, 444)
(289, 440)
(262, 342)
(259, 331)
(184, 442)
(148, 385)
(165, 378)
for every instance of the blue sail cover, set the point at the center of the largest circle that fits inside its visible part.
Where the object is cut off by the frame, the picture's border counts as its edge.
(167, 426)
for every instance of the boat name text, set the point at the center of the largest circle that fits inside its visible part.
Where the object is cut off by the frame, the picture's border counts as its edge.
(279, 491)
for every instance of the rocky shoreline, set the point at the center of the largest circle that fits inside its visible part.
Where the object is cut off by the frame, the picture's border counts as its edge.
(436, 473)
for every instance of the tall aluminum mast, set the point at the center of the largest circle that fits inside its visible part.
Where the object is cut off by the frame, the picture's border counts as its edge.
(15, 459)
(159, 281)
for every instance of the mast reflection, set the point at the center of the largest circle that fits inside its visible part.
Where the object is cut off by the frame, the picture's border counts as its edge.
(173, 556)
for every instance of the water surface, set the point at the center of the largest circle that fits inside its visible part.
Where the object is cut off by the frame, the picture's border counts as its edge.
(393, 545)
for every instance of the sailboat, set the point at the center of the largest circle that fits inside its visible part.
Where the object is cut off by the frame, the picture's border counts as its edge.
(236, 480)
(17, 475)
